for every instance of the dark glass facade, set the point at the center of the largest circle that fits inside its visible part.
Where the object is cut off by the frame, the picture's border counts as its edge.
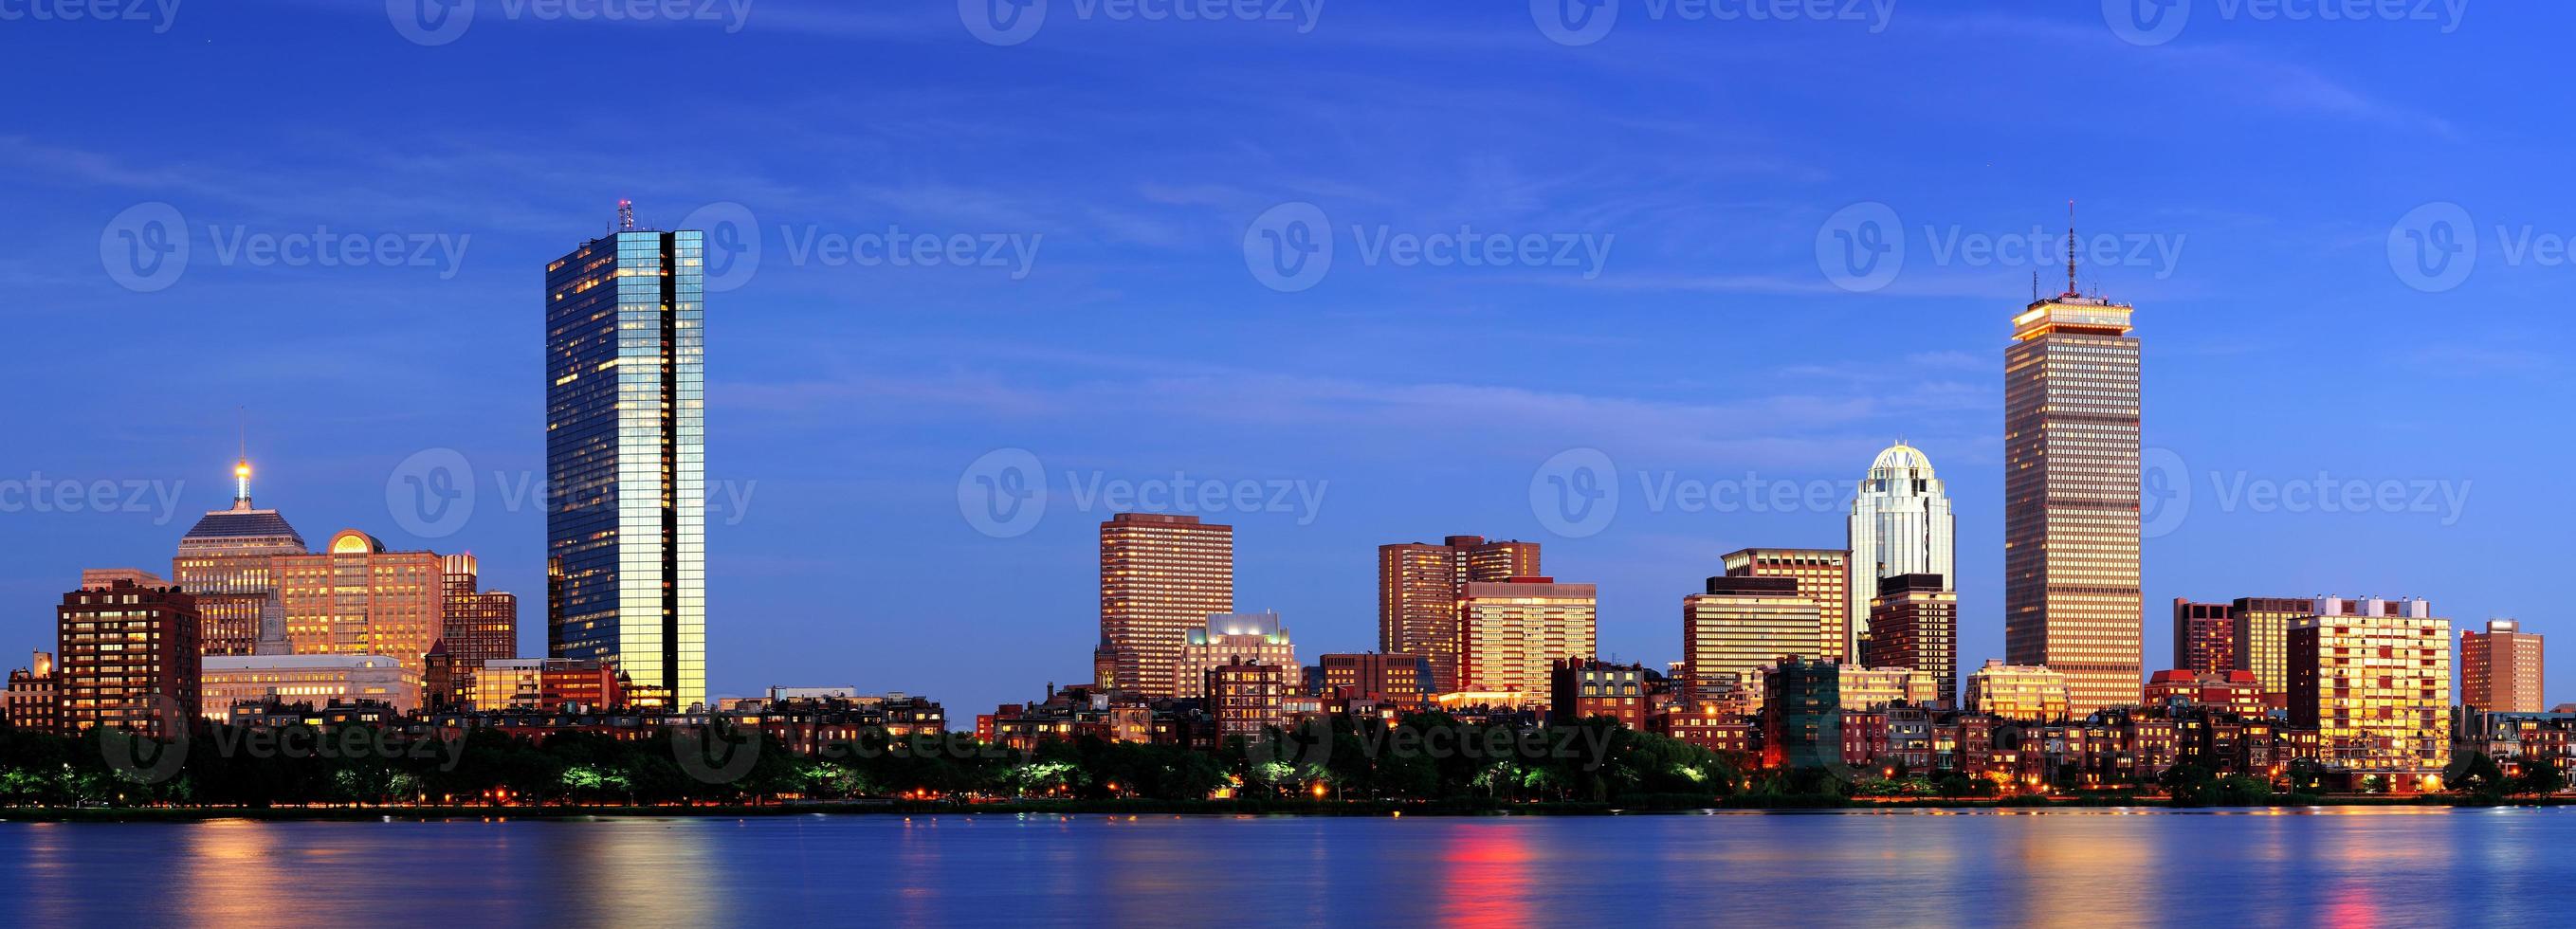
(625, 455)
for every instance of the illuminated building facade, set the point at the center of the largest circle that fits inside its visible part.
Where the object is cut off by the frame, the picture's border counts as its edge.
(2373, 677)
(1512, 631)
(1742, 625)
(1802, 711)
(477, 625)
(2260, 629)
(2500, 668)
(1823, 575)
(34, 702)
(1420, 587)
(1229, 638)
(1914, 624)
(1246, 698)
(2071, 480)
(548, 684)
(1900, 524)
(2204, 636)
(356, 598)
(626, 459)
(1582, 688)
(1386, 679)
(226, 562)
(1865, 689)
(2019, 692)
(129, 659)
(1160, 577)
(231, 680)
(2232, 691)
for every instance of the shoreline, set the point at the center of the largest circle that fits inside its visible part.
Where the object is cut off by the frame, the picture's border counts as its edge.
(1302, 809)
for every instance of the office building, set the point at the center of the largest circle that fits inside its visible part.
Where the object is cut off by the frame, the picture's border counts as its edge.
(129, 659)
(356, 598)
(1823, 575)
(2019, 692)
(2204, 636)
(2071, 482)
(1160, 577)
(227, 562)
(228, 681)
(1396, 679)
(1900, 524)
(2260, 634)
(1866, 689)
(549, 684)
(2373, 677)
(1914, 624)
(1513, 630)
(2500, 668)
(1740, 626)
(1802, 712)
(477, 625)
(626, 459)
(1420, 587)
(1230, 638)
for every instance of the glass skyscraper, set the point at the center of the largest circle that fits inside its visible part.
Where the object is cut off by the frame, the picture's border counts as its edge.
(625, 459)
(1900, 524)
(2071, 460)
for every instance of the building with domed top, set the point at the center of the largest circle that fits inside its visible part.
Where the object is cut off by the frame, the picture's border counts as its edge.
(1900, 525)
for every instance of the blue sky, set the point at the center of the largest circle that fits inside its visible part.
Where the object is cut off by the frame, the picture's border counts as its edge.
(2242, 181)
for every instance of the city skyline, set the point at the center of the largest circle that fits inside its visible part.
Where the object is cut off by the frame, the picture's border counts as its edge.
(853, 397)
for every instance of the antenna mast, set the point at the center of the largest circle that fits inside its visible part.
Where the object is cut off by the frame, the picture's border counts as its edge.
(2071, 289)
(626, 215)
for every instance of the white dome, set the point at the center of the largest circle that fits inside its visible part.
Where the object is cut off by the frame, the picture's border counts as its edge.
(1902, 457)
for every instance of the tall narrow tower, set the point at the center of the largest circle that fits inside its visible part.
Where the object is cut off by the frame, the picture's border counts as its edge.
(626, 459)
(1900, 525)
(2071, 417)
(1160, 577)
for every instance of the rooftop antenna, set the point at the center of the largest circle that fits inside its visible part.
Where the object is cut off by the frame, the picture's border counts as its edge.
(2071, 289)
(2034, 287)
(241, 465)
(626, 216)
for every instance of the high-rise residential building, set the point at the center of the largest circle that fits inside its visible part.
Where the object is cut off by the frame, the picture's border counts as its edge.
(227, 681)
(1802, 714)
(225, 562)
(1160, 577)
(2500, 668)
(129, 659)
(1823, 575)
(478, 625)
(1395, 679)
(626, 459)
(1420, 586)
(2204, 636)
(2373, 677)
(1900, 524)
(356, 598)
(2021, 693)
(1914, 624)
(35, 703)
(1741, 626)
(1512, 631)
(2260, 633)
(1246, 698)
(1232, 638)
(2071, 480)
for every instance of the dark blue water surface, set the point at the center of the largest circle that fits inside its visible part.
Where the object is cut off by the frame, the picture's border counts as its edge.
(2093, 869)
